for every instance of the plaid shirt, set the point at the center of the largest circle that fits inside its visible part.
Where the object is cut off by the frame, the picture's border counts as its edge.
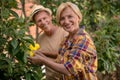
(79, 57)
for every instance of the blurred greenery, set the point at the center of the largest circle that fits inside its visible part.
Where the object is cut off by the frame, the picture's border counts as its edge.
(100, 17)
(14, 45)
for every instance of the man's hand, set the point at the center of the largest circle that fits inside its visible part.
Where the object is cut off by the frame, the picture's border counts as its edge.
(36, 59)
(50, 54)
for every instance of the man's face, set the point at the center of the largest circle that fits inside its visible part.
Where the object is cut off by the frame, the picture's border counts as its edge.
(43, 20)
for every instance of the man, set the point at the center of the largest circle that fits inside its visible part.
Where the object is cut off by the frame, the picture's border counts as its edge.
(50, 38)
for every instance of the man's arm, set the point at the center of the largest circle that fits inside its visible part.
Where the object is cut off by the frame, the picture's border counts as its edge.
(49, 54)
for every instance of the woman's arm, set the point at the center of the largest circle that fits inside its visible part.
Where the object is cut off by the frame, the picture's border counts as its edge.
(40, 58)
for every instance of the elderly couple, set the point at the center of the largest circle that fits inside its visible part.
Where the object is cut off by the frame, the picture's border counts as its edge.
(68, 51)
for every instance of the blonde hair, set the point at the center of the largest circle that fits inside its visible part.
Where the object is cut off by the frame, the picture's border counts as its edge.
(72, 6)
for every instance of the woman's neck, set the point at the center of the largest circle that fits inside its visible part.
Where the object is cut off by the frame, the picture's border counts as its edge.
(71, 35)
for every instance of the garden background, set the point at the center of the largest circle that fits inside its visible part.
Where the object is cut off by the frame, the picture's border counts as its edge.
(101, 19)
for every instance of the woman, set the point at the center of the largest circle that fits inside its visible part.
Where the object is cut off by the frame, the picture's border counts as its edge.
(77, 58)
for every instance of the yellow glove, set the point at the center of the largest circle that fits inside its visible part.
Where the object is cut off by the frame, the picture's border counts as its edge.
(33, 48)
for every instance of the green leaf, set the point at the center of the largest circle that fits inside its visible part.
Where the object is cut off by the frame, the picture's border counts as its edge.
(108, 54)
(3, 64)
(10, 70)
(25, 57)
(14, 43)
(106, 65)
(28, 76)
(5, 13)
(20, 56)
(16, 50)
(28, 39)
(14, 13)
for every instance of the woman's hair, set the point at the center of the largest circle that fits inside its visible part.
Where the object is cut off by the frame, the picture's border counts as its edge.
(72, 6)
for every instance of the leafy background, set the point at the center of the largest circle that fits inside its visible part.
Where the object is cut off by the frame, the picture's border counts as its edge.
(100, 17)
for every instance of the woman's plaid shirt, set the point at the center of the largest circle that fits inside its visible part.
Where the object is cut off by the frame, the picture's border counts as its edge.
(79, 57)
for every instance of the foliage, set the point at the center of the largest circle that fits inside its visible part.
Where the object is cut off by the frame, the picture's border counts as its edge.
(108, 43)
(102, 21)
(14, 42)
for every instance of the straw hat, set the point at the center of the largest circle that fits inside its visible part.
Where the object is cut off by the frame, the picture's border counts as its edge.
(38, 8)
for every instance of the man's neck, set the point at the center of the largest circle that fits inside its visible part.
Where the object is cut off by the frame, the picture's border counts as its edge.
(52, 31)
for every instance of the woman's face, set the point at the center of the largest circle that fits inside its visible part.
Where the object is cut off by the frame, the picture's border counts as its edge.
(69, 20)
